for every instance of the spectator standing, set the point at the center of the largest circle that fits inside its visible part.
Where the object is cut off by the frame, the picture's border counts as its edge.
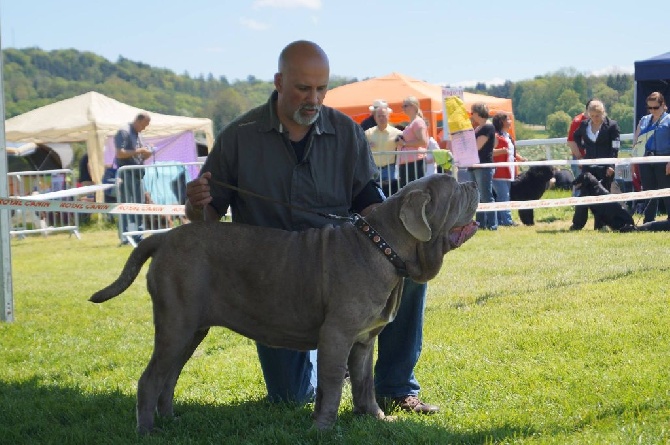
(370, 121)
(598, 137)
(504, 151)
(654, 129)
(577, 153)
(485, 135)
(84, 179)
(413, 138)
(130, 150)
(382, 138)
(275, 150)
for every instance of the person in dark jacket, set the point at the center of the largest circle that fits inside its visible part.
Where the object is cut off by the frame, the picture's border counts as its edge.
(597, 137)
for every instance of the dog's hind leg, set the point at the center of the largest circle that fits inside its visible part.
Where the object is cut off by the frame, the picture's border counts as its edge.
(362, 380)
(166, 397)
(170, 348)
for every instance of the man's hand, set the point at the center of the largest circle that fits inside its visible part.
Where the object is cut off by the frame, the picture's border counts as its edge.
(197, 191)
(197, 205)
(145, 152)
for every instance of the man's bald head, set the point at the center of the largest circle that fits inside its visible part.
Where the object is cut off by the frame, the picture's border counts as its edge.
(301, 83)
(299, 53)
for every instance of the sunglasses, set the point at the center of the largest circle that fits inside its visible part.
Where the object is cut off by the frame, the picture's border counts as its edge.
(653, 108)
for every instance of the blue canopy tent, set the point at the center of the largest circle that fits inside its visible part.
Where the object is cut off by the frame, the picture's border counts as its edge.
(651, 75)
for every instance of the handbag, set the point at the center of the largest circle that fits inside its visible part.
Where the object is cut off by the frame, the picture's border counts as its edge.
(640, 144)
(639, 147)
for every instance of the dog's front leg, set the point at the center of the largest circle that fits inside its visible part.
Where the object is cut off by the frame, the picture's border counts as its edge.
(362, 380)
(332, 358)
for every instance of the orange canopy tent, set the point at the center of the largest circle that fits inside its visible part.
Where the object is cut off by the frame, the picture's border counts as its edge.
(354, 99)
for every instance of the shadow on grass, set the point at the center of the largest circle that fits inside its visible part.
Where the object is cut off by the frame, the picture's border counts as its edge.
(35, 413)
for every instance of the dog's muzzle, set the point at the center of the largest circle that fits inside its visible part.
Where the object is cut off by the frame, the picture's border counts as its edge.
(459, 235)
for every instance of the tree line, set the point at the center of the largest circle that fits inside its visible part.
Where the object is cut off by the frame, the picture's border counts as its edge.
(554, 99)
(34, 78)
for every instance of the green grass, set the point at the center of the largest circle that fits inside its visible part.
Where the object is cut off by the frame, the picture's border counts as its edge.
(533, 335)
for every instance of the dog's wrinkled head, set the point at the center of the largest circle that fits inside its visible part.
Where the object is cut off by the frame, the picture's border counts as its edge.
(588, 185)
(437, 212)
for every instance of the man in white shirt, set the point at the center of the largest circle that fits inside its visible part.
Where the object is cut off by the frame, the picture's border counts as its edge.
(382, 140)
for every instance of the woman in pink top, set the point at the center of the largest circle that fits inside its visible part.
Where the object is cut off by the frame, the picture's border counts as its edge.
(414, 137)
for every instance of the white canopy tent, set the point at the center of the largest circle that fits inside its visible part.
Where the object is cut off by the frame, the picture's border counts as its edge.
(93, 117)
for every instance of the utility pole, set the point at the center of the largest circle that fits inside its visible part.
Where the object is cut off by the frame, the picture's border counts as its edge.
(6, 295)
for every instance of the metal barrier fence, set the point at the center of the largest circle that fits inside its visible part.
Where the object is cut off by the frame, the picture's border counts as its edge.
(165, 183)
(32, 183)
(532, 149)
(160, 183)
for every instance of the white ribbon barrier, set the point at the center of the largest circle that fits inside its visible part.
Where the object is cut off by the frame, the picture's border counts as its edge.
(47, 201)
(572, 201)
(178, 210)
(599, 161)
(89, 207)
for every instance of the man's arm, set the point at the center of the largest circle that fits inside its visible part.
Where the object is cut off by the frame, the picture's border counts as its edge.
(367, 199)
(121, 143)
(574, 149)
(572, 145)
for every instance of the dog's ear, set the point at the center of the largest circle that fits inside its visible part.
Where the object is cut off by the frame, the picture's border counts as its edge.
(413, 215)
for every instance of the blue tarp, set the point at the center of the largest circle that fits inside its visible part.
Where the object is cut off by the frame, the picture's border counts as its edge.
(651, 75)
(167, 184)
(655, 68)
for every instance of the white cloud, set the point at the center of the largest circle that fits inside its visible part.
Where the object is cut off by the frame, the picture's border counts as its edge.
(613, 70)
(253, 24)
(283, 4)
(473, 83)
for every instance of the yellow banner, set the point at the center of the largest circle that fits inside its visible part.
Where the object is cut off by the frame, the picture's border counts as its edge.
(457, 116)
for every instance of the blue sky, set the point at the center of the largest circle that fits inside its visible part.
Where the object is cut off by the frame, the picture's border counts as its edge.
(439, 41)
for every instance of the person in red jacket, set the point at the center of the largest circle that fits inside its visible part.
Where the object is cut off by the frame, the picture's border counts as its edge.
(504, 151)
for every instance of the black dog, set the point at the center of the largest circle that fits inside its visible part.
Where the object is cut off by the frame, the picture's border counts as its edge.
(610, 214)
(530, 185)
(563, 179)
(653, 226)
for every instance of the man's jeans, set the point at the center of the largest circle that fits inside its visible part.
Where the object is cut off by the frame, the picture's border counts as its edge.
(387, 172)
(399, 345)
(290, 376)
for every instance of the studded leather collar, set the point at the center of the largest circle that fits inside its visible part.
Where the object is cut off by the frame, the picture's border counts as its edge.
(378, 241)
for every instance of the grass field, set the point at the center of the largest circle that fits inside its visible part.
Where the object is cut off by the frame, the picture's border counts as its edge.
(533, 335)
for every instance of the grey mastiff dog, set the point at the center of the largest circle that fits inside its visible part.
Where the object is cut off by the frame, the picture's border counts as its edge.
(333, 289)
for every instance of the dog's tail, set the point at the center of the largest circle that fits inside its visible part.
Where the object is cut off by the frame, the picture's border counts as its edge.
(144, 250)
